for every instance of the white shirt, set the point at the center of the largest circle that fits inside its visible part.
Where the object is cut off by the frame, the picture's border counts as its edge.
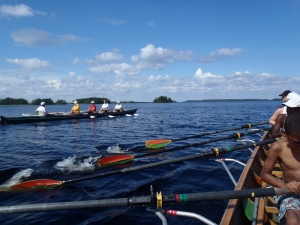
(41, 110)
(104, 106)
(118, 106)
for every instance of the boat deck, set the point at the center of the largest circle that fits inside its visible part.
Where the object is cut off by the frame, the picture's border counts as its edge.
(240, 211)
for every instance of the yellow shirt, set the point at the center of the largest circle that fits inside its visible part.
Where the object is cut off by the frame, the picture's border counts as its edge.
(76, 109)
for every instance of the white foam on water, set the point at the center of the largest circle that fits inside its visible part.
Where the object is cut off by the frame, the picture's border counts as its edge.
(114, 149)
(16, 179)
(73, 164)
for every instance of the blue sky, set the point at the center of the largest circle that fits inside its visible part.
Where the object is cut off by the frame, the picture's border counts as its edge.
(137, 50)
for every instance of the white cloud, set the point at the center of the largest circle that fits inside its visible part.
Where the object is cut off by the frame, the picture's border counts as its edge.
(156, 58)
(114, 21)
(54, 83)
(36, 37)
(110, 56)
(220, 54)
(18, 11)
(114, 69)
(75, 61)
(158, 78)
(151, 23)
(31, 63)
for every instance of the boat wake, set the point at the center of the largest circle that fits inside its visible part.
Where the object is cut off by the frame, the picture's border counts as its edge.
(116, 150)
(17, 178)
(74, 164)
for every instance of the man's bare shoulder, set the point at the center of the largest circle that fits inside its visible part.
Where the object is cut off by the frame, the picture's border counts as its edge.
(279, 145)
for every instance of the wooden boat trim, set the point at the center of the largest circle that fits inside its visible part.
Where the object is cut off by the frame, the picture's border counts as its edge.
(234, 213)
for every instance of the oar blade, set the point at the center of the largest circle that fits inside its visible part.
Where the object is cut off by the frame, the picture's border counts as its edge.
(115, 159)
(157, 143)
(39, 184)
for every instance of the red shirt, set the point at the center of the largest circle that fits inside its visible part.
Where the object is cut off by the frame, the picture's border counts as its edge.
(92, 108)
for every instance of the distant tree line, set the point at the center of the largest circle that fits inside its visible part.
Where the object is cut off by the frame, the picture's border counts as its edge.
(13, 101)
(95, 99)
(21, 101)
(163, 99)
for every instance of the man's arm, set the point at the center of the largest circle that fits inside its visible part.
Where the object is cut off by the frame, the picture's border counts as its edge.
(273, 118)
(266, 173)
(278, 125)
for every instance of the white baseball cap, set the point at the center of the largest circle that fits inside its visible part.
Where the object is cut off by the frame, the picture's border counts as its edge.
(75, 102)
(92, 102)
(42, 103)
(293, 100)
(118, 101)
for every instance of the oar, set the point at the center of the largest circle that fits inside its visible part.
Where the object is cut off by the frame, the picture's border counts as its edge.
(163, 142)
(146, 200)
(47, 183)
(119, 159)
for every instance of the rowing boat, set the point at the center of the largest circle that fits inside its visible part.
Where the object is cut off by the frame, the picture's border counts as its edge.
(33, 119)
(253, 210)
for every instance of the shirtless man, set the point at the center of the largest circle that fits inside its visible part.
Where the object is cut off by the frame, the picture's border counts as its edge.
(292, 105)
(280, 110)
(287, 152)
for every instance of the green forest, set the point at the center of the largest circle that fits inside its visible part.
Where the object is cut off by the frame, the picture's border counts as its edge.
(49, 101)
(163, 99)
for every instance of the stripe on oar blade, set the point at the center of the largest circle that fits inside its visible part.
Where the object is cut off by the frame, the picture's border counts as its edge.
(118, 159)
(42, 183)
(157, 143)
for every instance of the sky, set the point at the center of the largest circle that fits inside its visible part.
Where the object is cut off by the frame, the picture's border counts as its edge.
(138, 50)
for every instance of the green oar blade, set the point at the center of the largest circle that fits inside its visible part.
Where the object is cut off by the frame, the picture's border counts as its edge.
(115, 159)
(157, 143)
(40, 184)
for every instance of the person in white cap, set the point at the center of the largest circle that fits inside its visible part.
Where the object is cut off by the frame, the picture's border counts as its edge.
(41, 110)
(281, 109)
(75, 109)
(292, 105)
(104, 107)
(92, 108)
(118, 107)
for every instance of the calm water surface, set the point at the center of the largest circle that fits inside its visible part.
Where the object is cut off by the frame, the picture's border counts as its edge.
(64, 150)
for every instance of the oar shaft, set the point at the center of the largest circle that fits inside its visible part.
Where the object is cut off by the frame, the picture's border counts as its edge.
(210, 153)
(145, 200)
(221, 131)
(233, 136)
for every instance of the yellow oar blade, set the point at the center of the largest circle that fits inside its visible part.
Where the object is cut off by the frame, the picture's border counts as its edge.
(115, 159)
(40, 184)
(157, 143)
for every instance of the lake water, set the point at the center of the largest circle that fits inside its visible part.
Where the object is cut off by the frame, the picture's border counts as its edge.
(69, 149)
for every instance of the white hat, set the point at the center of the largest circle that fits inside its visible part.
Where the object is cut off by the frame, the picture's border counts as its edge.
(291, 95)
(293, 100)
(118, 101)
(42, 103)
(75, 102)
(92, 102)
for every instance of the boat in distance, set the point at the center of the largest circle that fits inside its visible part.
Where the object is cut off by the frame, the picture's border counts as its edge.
(259, 211)
(35, 118)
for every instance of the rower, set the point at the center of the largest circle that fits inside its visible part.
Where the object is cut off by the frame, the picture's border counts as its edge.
(41, 110)
(118, 107)
(104, 107)
(75, 109)
(92, 108)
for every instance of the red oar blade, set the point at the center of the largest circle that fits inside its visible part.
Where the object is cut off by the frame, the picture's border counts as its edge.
(115, 159)
(40, 184)
(157, 143)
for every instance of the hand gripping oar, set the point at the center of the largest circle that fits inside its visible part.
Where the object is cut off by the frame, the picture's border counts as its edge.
(146, 200)
(164, 142)
(119, 159)
(42, 183)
